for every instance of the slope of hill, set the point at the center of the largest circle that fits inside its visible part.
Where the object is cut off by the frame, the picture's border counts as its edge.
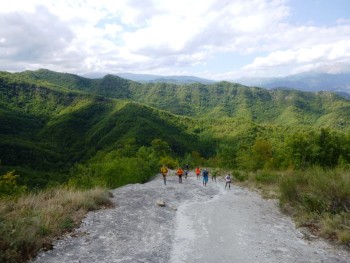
(44, 129)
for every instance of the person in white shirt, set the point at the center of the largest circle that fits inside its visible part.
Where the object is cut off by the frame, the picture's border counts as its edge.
(228, 181)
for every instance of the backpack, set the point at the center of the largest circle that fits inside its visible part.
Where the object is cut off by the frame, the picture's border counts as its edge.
(164, 170)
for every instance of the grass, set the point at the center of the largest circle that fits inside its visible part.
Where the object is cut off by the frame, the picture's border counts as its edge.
(316, 198)
(33, 221)
(321, 199)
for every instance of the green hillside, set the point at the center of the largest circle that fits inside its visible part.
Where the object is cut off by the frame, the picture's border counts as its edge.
(46, 130)
(223, 99)
(50, 122)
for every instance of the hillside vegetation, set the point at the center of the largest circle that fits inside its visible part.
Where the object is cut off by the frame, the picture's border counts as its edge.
(223, 99)
(52, 121)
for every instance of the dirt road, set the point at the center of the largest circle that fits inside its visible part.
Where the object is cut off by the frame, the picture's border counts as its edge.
(197, 224)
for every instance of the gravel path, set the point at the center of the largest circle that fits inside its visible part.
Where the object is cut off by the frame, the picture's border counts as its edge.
(198, 224)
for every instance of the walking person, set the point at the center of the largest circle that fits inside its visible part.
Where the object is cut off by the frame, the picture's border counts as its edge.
(214, 173)
(164, 171)
(228, 181)
(179, 173)
(205, 177)
(186, 170)
(198, 172)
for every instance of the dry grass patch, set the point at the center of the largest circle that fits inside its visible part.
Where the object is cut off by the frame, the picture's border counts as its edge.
(33, 221)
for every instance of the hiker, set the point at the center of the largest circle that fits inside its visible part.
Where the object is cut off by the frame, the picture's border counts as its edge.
(179, 173)
(205, 177)
(198, 172)
(164, 171)
(186, 170)
(228, 181)
(214, 173)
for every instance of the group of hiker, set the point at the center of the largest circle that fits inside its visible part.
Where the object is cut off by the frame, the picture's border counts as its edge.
(205, 174)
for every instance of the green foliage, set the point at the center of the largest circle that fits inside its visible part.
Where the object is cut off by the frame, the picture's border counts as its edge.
(267, 177)
(161, 148)
(169, 162)
(240, 176)
(318, 190)
(9, 185)
(112, 169)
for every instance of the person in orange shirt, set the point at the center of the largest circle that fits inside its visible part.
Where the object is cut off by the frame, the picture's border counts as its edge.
(179, 173)
(198, 172)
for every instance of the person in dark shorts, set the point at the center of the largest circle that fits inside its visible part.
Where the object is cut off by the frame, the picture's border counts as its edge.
(205, 177)
(179, 173)
(228, 181)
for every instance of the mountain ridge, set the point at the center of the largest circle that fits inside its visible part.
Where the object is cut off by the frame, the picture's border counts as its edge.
(150, 78)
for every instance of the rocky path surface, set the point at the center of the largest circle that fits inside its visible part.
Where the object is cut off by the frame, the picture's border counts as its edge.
(197, 224)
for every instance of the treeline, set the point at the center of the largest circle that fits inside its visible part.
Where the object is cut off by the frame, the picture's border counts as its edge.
(295, 150)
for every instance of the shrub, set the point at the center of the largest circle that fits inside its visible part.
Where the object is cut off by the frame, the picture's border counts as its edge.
(267, 177)
(169, 162)
(240, 176)
(9, 186)
(111, 170)
(291, 187)
(323, 195)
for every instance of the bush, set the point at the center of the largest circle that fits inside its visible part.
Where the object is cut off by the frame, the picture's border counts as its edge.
(267, 177)
(169, 162)
(9, 186)
(323, 195)
(291, 186)
(111, 170)
(240, 176)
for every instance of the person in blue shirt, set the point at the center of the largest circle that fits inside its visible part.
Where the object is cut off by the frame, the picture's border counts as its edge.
(205, 174)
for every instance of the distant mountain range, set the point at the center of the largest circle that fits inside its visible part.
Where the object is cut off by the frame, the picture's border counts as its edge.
(311, 81)
(148, 78)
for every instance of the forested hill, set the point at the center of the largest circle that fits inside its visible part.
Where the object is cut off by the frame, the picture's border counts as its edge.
(53, 122)
(46, 129)
(223, 99)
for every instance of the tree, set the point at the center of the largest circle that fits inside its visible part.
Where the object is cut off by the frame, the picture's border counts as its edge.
(9, 186)
(301, 150)
(262, 153)
(161, 148)
(329, 148)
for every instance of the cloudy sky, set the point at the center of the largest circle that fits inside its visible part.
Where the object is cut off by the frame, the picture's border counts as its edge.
(216, 39)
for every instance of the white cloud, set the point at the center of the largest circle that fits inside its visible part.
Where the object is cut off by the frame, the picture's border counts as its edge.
(162, 36)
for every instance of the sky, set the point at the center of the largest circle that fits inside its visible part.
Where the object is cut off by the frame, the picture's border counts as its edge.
(214, 39)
